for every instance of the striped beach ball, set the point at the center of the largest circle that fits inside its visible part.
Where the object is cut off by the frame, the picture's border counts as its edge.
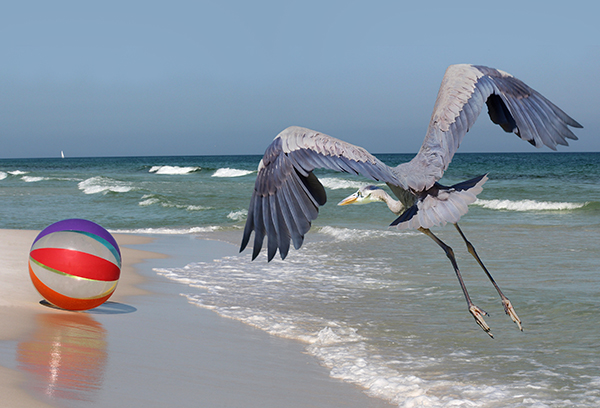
(75, 264)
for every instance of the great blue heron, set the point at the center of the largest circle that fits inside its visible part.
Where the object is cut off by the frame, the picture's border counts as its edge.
(287, 194)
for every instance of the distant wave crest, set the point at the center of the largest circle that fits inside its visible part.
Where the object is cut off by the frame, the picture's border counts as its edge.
(353, 234)
(167, 230)
(104, 185)
(227, 172)
(528, 205)
(33, 179)
(173, 169)
(151, 199)
(5, 174)
(238, 215)
(333, 183)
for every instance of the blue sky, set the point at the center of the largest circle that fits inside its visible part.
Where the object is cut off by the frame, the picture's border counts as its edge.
(132, 78)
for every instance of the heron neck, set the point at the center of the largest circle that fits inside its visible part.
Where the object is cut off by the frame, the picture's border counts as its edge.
(395, 206)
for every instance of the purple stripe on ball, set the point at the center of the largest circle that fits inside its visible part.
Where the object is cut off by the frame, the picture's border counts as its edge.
(77, 224)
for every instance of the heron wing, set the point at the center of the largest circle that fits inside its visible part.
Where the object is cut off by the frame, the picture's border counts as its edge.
(287, 195)
(511, 104)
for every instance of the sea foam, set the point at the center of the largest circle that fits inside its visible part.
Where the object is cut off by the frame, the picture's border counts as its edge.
(104, 185)
(353, 234)
(33, 179)
(3, 175)
(238, 215)
(151, 199)
(236, 288)
(227, 172)
(527, 205)
(173, 170)
(333, 183)
(148, 200)
(167, 230)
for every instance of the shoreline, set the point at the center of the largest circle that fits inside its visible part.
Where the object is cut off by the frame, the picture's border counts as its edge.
(150, 346)
(20, 302)
(17, 291)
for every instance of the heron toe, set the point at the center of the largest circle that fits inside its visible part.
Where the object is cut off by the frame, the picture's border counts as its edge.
(510, 310)
(478, 315)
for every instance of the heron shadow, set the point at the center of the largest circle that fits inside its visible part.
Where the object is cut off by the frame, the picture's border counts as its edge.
(105, 308)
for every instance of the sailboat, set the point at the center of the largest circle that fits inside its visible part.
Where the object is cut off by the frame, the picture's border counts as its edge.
(62, 154)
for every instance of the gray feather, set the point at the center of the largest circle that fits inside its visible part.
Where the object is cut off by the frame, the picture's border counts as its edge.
(287, 195)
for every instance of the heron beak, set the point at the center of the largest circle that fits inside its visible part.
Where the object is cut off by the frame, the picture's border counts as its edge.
(349, 200)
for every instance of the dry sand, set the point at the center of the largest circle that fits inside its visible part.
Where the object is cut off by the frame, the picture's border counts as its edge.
(147, 347)
(20, 310)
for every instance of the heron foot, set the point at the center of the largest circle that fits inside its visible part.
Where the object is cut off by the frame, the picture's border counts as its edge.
(510, 310)
(478, 315)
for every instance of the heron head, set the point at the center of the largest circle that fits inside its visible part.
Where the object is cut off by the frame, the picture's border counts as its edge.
(364, 195)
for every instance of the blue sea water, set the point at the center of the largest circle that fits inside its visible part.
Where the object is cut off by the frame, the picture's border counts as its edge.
(380, 308)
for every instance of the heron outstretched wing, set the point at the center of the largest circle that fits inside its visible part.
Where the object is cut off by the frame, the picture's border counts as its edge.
(287, 194)
(513, 105)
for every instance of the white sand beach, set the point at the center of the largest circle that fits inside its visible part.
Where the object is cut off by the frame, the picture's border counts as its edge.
(148, 347)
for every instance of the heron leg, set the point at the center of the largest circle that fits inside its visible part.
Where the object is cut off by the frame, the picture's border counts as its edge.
(508, 307)
(474, 310)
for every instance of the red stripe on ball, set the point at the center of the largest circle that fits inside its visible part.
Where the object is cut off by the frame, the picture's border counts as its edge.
(77, 263)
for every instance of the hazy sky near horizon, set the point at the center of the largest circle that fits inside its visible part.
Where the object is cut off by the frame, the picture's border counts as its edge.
(133, 78)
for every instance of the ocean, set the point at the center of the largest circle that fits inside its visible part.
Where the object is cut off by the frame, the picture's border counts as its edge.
(380, 308)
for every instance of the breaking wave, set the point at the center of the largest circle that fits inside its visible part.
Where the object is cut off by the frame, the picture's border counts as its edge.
(353, 234)
(333, 183)
(167, 230)
(151, 199)
(227, 172)
(528, 205)
(238, 289)
(104, 185)
(238, 215)
(33, 179)
(173, 169)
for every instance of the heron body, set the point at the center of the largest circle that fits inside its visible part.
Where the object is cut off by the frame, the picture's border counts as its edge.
(287, 195)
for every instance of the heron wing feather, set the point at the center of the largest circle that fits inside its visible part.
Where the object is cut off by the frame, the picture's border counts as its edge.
(512, 104)
(287, 195)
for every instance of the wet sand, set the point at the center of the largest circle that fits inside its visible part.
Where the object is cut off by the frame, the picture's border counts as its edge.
(148, 347)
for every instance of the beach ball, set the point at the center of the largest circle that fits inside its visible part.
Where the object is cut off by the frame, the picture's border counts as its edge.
(75, 264)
